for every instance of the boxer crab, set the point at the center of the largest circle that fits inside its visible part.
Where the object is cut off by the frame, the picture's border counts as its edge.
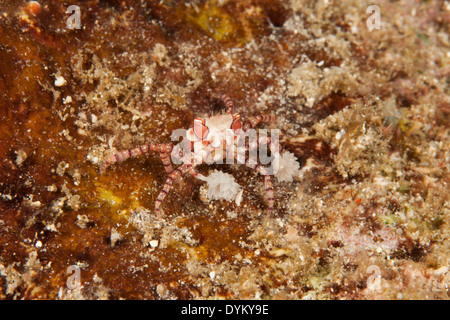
(205, 143)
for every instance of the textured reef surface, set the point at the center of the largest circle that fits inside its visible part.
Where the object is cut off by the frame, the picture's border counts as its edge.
(365, 111)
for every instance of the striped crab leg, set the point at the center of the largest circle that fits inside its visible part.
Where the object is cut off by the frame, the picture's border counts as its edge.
(267, 183)
(163, 149)
(254, 121)
(228, 103)
(268, 141)
(192, 171)
(166, 161)
(173, 176)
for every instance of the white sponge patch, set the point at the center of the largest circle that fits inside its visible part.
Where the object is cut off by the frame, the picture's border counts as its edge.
(221, 186)
(286, 166)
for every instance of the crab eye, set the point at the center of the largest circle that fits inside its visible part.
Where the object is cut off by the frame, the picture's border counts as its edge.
(200, 130)
(236, 124)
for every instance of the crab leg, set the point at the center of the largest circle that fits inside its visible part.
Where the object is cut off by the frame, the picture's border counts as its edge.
(267, 183)
(275, 149)
(125, 154)
(166, 161)
(173, 176)
(192, 171)
(254, 121)
(228, 103)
